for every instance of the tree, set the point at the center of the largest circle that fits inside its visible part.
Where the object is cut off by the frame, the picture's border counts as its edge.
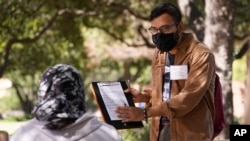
(219, 37)
(51, 33)
(242, 35)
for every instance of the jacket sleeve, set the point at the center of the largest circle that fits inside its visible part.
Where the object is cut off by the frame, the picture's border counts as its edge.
(201, 73)
(147, 94)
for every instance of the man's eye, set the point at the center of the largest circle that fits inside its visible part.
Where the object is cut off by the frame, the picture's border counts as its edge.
(153, 29)
(164, 28)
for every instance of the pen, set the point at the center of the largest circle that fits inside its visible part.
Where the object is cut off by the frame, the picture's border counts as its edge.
(128, 83)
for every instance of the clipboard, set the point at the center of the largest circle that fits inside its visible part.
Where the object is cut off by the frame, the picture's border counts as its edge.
(106, 92)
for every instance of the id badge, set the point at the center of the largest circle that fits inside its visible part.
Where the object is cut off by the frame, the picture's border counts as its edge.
(178, 72)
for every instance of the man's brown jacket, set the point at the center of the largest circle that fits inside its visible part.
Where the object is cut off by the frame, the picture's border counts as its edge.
(191, 106)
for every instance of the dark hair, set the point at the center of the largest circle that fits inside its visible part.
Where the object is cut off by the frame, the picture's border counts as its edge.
(168, 8)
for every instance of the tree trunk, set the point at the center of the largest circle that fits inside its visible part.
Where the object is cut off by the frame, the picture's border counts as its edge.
(219, 38)
(247, 102)
(26, 103)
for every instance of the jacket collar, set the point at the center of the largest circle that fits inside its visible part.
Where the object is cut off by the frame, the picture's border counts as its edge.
(184, 47)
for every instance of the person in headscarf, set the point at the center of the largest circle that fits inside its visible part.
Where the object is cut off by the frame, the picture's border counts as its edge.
(60, 113)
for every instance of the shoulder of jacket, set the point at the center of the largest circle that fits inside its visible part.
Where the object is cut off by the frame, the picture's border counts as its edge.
(199, 48)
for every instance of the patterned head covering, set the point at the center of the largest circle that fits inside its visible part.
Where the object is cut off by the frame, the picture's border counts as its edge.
(61, 97)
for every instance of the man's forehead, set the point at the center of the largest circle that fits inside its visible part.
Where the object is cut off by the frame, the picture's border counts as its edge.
(164, 19)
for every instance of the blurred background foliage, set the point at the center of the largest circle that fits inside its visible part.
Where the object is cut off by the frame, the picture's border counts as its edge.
(104, 40)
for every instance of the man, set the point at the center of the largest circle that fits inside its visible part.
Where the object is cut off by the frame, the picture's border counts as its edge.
(180, 100)
(60, 114)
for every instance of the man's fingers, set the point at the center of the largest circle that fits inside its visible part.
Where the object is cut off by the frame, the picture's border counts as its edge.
(128, 90)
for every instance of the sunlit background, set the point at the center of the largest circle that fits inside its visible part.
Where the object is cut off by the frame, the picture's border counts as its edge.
(108, 40)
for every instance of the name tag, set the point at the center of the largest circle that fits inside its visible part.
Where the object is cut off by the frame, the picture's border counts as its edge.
(178, 72)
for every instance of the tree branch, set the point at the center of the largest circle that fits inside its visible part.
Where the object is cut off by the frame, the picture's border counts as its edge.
(243, 50)
(242, 37)
(194, 16)
(23, 41)
(123, 41)
(77, 12)
(140, 30)
(131, 11)
(19, 95)
(10, 43)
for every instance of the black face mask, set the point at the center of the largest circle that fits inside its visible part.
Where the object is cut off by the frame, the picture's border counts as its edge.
(165, 42)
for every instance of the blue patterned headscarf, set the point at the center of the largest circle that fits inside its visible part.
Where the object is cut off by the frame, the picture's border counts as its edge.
(61, 96)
